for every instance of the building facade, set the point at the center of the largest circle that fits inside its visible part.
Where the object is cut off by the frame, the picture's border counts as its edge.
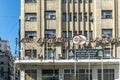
(6, 61)
(47, 51)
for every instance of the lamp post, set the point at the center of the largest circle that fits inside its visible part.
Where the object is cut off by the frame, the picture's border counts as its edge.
(78, 40)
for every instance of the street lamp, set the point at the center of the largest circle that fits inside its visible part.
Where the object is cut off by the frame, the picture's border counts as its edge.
(78, 40)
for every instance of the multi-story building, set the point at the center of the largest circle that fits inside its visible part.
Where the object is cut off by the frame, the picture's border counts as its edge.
(47, 51)
(6, 61)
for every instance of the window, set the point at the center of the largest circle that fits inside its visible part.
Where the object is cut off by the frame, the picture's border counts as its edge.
(80, 32)
(108, 52)
(69, 1)
(80, 1)
(50, 33)
(30, 34)
(91, 17)
(81, 74)
(30, 1)
(85, 1)
(30, 16)
(50, 15)
(85, 17)
(85, 33)
(75, 33)
(31, 74)
(63, 1)
(64, 17)
(50, 74)
(106, 33)
(106, 14)
(64, 35)
(75, 17)
(69, 17)
(108, 74)
(75, 1)
(69, 34)
(49, 53)
(80, 17)
(31, 53)
(90, 34)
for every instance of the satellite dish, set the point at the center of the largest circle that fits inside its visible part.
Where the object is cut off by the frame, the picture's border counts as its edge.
(79, 39)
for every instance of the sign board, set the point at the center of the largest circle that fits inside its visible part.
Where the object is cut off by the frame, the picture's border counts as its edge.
(86, 53)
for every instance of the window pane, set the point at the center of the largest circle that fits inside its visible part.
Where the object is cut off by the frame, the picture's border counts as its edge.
(69, 17)
(30, 34)
(30, 1)
(69, 34)
(30, 16)
(64, 34)
(64, 17)
(106, 14)
(50, 33)
(50, 15)
(106, 33)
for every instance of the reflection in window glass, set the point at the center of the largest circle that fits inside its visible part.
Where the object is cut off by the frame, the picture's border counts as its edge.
(106, 33)
(50, 15)
(30, 16)
(64, 17)
(106, 14)
(50, 33)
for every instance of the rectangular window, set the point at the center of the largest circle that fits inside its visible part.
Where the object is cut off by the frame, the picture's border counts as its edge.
(30, 1)
(49, 33)
(80, 32)
(30, 54)
(30, 34)
(85, 17)
(108, 74)
(50, 15)
(108, 52)
(106, 33)
(49, 52)
(69, 34)
(106, 14)
(69, 1)
(64, 17)
(75, 33)
(80, 17)
(63, 1)
(80, 1)
(81, 74)
(90, 34)
(30, 16)
(85, 33)
(75, 17)
(69, 17)
(50, 74)
(64, 34)
(91, 17)
(75, 1)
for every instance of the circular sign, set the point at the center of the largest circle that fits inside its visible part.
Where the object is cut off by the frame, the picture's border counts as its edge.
(79, 39)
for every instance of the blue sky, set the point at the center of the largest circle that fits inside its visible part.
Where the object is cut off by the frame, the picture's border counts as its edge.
(9, 21)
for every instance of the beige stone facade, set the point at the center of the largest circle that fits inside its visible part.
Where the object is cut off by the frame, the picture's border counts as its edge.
(41, 19)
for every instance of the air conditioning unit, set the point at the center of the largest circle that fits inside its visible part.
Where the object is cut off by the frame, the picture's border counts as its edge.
(47, 16)
(27, 18)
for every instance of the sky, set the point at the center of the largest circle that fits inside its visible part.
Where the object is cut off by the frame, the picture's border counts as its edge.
(9, 22)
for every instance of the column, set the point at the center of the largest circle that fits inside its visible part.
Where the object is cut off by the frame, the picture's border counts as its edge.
(22, 75)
